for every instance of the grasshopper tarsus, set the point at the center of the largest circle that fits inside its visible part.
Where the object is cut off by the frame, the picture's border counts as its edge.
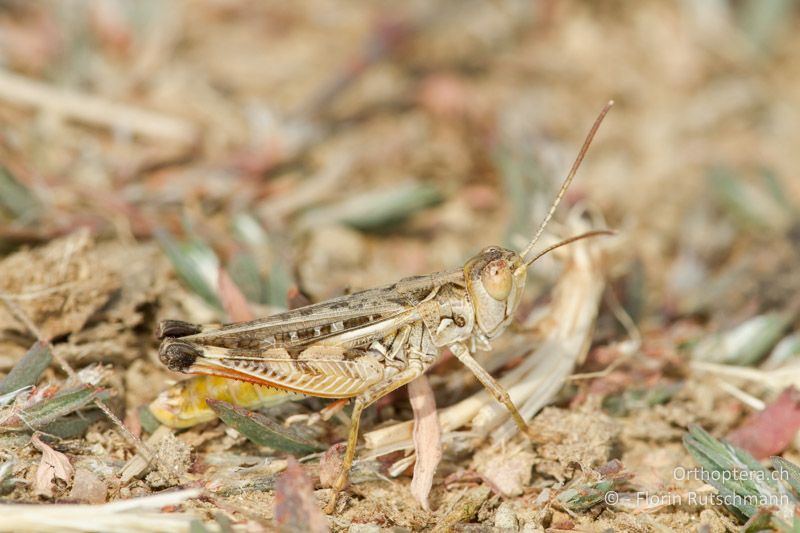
(177, 328)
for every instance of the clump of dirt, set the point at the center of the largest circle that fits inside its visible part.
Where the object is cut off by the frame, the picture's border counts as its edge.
(60, 286)
(96, 299)
(563, 439)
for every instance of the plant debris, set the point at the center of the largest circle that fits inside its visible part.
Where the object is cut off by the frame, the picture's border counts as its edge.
(770, 431)
(296, 508)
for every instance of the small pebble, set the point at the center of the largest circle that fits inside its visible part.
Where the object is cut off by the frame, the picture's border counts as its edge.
(87, 487)
(505, 518)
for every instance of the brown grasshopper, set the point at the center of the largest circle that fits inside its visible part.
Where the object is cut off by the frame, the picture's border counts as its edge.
(367, 344)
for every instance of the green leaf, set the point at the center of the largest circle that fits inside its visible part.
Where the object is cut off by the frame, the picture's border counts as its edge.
(759, 523)
(41, 414)
(638, 399)
(72, 426)
(736, 475)
(248, 230)
(261, 430)
(746, 343)
(28, 370)
(197, 526)
(195, 262)
(788, 472)
(523, 179)
(762, 21)
(149, 422)
(244, 272)
(16, 199)
(279, 282)
(7, 483)
(376, 209)
(579, 499)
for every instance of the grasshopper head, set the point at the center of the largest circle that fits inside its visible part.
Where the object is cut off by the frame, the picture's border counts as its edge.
(496, 276)
(495, 281)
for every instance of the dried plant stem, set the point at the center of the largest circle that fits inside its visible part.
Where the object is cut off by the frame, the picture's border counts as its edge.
(136, 514)
(776, 380)
(94, 110)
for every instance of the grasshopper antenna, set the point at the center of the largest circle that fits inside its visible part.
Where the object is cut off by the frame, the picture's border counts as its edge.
(565, 186)
(586, 235)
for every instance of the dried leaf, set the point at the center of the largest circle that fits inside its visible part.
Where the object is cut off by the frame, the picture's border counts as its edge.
(261, 430)
(770, 431)
(427, 439)
(330, 465)
(296, 508)
(233, 301)
(124, 515)
(53, 465)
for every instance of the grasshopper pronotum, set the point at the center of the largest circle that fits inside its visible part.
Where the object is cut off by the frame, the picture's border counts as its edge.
(367, 344)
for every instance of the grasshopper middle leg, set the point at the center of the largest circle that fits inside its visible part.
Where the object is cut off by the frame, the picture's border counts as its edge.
(362, 401)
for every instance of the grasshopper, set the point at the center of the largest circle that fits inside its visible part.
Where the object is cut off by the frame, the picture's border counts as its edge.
(367, 344)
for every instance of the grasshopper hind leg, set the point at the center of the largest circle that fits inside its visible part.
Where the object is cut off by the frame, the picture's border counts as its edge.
(362, 401)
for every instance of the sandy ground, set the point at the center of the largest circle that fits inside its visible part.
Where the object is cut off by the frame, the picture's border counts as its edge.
(312, 148)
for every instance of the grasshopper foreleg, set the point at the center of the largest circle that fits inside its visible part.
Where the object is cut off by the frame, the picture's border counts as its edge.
(489, 383)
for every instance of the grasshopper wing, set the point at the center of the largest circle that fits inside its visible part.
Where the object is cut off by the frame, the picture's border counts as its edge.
(312, 324)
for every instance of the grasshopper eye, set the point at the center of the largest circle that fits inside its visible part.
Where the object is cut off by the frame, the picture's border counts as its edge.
(497, 279)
